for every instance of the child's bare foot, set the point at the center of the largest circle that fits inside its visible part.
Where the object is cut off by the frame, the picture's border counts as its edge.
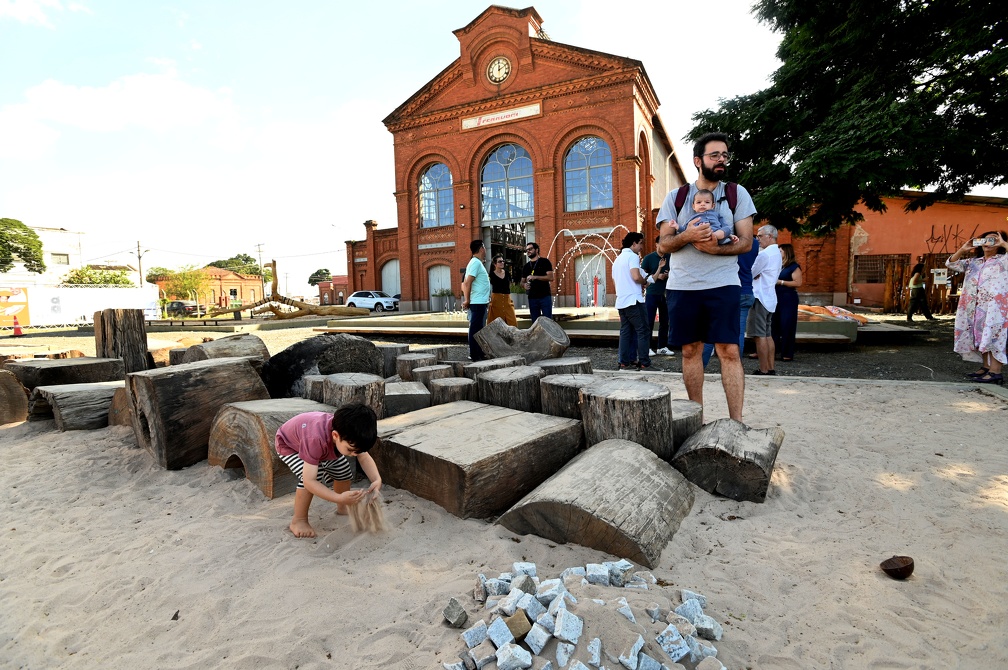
(301, 528)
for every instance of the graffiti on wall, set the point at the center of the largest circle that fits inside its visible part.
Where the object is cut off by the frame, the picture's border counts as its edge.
(949, 238)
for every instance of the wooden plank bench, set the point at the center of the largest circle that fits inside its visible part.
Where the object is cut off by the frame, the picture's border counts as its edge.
(73, 406)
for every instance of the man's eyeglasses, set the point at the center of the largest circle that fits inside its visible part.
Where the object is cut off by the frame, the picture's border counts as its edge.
(528, 249)
(719, 155)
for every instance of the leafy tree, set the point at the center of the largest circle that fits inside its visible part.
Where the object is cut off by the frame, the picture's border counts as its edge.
(242, 264)
(18, 242)
(156, 273)
(319, 275)
(93, 276)
(871, 97)
(180, 284)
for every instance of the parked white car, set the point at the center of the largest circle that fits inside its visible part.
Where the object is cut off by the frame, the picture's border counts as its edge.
(376, 301)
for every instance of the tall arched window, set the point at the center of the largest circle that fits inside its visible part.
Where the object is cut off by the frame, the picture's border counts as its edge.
(506, 186)
(437, 200)
(588, 175)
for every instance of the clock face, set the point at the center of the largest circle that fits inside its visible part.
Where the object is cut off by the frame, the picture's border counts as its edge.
(499, 69)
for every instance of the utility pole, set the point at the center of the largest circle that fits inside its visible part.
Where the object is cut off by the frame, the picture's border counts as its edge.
(262, 270)
(140, 255)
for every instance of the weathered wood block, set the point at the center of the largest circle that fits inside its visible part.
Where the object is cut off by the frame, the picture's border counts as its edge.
(13, 399)
(120, 412)
(314, 387)
(176, 354)
(174, 407)
(565, 365)
(402, 397)
(728, 458)
(390, 352)
(347, 387)
(561, 393)
(474, 370)
(232, 346)
(687, 419)
(406, 363)
(617, 497)
(544, 339)
(452, 389)
(45, 372)
(517, 387)
(74, 406)
(474, 460)
(425, 374)
(458, 367)
(243, 435)
(628, 409)
(121, 333)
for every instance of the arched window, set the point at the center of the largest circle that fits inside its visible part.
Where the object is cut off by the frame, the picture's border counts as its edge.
(588, 175)
(506, 186)
(437, 200)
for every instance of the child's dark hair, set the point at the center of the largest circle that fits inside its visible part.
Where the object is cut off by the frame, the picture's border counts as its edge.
(357, 424)
(705, 192)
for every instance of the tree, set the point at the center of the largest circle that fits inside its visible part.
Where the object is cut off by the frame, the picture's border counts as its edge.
(89, 276)
(319, 275)
(183, 283)
(871, 98)
(156, 273)
(18, 242)
(242, 264)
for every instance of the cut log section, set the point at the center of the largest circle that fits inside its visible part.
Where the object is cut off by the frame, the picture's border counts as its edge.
(121, 333)
(174, 407)
(474, 370)
(517, 388)
(425, 374)
(232, 346)
(13, 399)
(45, 372)
(544, 339)
(687, 419)
(403, 397)
(314, 387)
(120, 411)
(176, 354)
(406, 363)
(390, 352)
(452, 389)
(617, 497)
(341, 389)
(729, 459)
(282, 373)
(74, 406)
(566, 365)
(628, 409)
(561, 394)
(474, 460)
(243, 435)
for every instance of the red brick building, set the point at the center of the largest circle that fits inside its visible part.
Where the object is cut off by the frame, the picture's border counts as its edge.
(224, 287)
(519, 139)
(333, 291)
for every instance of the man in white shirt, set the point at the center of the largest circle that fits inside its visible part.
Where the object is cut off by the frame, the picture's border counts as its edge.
(635, 336)
(765, 271)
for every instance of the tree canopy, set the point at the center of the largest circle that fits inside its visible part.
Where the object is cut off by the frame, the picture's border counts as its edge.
(89, 276)
(18, 242)
(322, 274)
(870, 98)
(184, 282)
(242, 264)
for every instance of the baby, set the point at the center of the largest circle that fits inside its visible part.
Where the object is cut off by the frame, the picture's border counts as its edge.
(703, 205)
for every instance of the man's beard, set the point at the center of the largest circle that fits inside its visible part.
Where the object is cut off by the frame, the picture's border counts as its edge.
(710, 174)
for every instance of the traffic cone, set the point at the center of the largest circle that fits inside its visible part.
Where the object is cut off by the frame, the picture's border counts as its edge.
(17, 329)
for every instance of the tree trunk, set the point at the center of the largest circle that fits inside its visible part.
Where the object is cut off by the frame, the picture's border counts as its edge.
(73, 406)
(389, 354)
(561, 393)
(243, 435)
(340, 389)
(13, 399)
(544, 339)
(232, 346)
(728, 458)
(565, 365)
(120, 411)
(517, 388)
(45, 372)
(120, 333)
(405, 363)
(474, 370)
(451, 389)
(425, 374)
(617, 497)
(628, 409)
(174, 407)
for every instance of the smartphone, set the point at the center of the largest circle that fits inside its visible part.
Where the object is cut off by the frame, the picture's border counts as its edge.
(980, 241)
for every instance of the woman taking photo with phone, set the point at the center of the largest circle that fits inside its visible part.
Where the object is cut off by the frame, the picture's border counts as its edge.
(982, 313)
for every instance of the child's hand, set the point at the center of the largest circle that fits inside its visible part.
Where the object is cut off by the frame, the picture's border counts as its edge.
(375, 487)
(734, 239)
(351, 497)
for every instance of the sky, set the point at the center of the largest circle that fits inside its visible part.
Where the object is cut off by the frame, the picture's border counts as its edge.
(203, 130)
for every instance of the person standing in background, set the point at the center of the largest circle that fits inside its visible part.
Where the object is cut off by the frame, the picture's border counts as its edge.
(536, 277)
(918, 293)
(654, 299)
(476, 296)
(784, 324)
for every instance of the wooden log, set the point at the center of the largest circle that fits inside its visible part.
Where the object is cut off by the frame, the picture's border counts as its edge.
(282, 373)
(458, 367)
(544, 339)
(176, 354)
(616, 496)
(120, 411)
(628, 409)
(314, 387)
(73, 406)
(232, 346)
(687, 419)
(561, 394)
(390, 351)
(452, 389)
(565, 365)
(243, 435)
(13, 399)
(405, 363)
(474, 460)
(174, 407)
(443, 352)
(121, 333)
(350, 353)
(340, 389)
(403, 397)
(426, 373)
(474, 370)
(517, 388)
(728, 458)
(45, 372)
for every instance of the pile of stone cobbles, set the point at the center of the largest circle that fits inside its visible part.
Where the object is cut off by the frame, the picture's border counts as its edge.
(603, 616)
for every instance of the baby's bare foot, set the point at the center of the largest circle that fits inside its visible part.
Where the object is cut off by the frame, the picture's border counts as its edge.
(301, 528)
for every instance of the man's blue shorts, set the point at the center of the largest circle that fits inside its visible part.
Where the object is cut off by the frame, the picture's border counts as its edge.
(707, 315)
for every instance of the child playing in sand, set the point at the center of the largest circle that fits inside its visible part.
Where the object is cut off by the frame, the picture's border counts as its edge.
(703, 205)
(314, 445)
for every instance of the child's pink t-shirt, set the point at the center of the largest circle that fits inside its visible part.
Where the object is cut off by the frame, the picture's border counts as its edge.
(308, 435)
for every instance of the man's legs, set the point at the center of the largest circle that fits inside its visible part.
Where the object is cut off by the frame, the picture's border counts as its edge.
(627, 337)
(535, 308)
(643, 333)
(546, 306)
(765, 353)
(477, 319)
(745, 304)
(732, 378)
(652, 306)
(692, 371)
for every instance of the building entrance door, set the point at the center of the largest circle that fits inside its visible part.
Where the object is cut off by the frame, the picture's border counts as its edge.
(508, 240)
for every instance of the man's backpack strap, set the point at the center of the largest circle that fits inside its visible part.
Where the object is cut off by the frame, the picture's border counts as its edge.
(731, 195)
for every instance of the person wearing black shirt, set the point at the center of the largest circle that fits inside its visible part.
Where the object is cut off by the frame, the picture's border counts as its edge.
(536, 277)
(501, 306)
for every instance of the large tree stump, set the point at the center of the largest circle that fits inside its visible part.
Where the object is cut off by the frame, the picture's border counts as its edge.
(458, 367)
(121, 333)
(617, 497)
(474, 370)
(232, 346)
(566, 365)
(544, 339)
(73, 406)
(474, 460)
(120, 412)
(517, 388)
(243, 435)
(561, 394)
(282, 373)
(390, 352)
(341, 389)
(350, 353)
(45, 372)
(728, 458)
(406, 363)
(174, 407)
(687, 419)
(425, 374)
(628, 409)
(13, 399)
(452, 389)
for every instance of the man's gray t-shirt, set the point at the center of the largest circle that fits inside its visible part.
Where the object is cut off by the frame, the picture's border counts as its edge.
(692, 270)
